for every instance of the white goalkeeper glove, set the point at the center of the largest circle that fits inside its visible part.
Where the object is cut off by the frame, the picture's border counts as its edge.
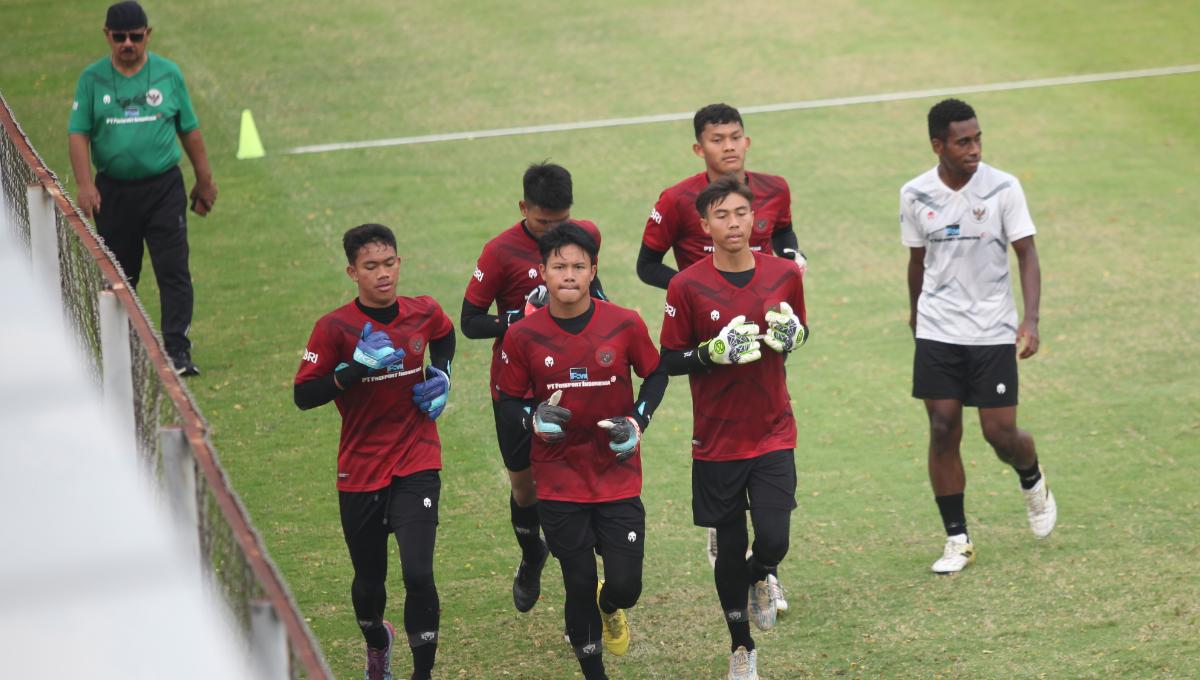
(784, 330)
(736, 343)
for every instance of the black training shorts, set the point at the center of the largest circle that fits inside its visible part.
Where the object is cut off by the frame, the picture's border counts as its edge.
(722, 489)
(608, 528)
(513, 439)
(984, 376)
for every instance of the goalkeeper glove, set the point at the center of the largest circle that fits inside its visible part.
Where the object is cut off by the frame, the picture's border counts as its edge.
(430, 395)
(798, 257)
(537, 298)
(375, 350)
(549, 419)
(736, 343)
(625, 436)
(784, 330)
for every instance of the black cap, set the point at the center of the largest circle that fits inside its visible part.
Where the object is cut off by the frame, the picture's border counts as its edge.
(126, 15)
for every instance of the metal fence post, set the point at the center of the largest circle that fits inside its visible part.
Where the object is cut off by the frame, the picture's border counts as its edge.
(116, 360)
(43, 240)
(268, 641)
(179, 482)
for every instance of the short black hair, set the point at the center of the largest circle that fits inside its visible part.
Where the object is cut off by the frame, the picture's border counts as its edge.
(567, 234)
(946, 112)
(548, 185)
(719, 190)
(715, 114)
(354, 239)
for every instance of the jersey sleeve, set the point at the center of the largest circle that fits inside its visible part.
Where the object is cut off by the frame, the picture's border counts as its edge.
(659, 234)
(186, 120)
(440, 324)
(485, 282)
(320, 354)
(514, 377)
(677, 323)
(1014, 213)
(81, 109)
(911, 234)
(643, 355)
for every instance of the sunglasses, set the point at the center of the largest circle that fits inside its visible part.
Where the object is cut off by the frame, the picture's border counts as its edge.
(119, 36)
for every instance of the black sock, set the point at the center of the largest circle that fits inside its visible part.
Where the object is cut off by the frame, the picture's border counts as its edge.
(1029, 477)
(375, 635)
(954, 518)
(526, 528)
(593, 668)
(739, 635)
(423, 658)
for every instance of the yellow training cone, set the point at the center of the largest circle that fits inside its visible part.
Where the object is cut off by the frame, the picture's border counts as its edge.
(249, 145)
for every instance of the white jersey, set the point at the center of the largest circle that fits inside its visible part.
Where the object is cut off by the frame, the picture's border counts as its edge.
(966, 297)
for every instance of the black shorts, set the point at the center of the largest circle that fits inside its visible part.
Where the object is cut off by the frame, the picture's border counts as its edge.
(513, 439)
(612, 527)
(722, 489)
(983, 376)
(407, 499)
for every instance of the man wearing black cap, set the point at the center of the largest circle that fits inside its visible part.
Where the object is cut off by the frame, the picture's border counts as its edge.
(128, 109)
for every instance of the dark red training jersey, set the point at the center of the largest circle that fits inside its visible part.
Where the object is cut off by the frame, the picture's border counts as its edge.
(507, 270)
(593, 371)
(384, 434)
(675, 224)
(739, 411)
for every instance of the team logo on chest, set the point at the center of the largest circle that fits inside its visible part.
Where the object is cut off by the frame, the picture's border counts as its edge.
(980, 213)
(154, 97)
(605, 356)
(714, 315)
(760, 225)
(549, 362)
(417, 343)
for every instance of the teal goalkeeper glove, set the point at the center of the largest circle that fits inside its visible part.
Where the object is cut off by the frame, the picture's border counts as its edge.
(625, 435)
(549, 419)
(430, 395)
(784, 330)
(736, 343)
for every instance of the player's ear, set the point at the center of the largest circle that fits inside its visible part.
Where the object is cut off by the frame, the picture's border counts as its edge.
(936, 145)
(747, 141)
(542, 269)
(352, 272)
(704, 226)
(698, 150)
(524, 208)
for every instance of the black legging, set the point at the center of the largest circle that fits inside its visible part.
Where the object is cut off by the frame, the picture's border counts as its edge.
(734, 574)
(622, 587)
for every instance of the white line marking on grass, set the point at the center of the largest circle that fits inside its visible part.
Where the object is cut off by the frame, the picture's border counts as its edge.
(745, 110)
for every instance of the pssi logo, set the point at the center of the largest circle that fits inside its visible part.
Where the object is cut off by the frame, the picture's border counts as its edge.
(310, 357)
(979, 212)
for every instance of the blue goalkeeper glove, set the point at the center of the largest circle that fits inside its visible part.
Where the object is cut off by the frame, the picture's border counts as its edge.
(625, 436)
(375, 350)
(430, 395)
(549, 419)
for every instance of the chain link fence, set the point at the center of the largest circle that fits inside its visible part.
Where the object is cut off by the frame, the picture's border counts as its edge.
(172, 436)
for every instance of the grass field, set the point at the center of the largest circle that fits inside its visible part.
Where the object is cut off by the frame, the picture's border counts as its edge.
(1110, 170)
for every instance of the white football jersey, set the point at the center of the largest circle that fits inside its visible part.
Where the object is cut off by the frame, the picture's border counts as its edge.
(966, 297)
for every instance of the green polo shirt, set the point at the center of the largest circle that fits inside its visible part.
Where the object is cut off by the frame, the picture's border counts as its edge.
(133, 122)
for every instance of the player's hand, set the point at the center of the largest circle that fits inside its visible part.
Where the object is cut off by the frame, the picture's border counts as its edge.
(537, 298)
(784, 330)
(204, 196)
(88, 200)
(625, 436)
(798, 257)
(375, 351)
(511, 316)
(737, 343)
(1027, 339)
(549, 419)
(430, 395)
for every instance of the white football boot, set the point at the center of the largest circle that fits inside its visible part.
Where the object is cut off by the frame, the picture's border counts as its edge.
(777, 592)
(958, 553)
(1041, 508)
(762, 605)
(743, 665)
(710, 548)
